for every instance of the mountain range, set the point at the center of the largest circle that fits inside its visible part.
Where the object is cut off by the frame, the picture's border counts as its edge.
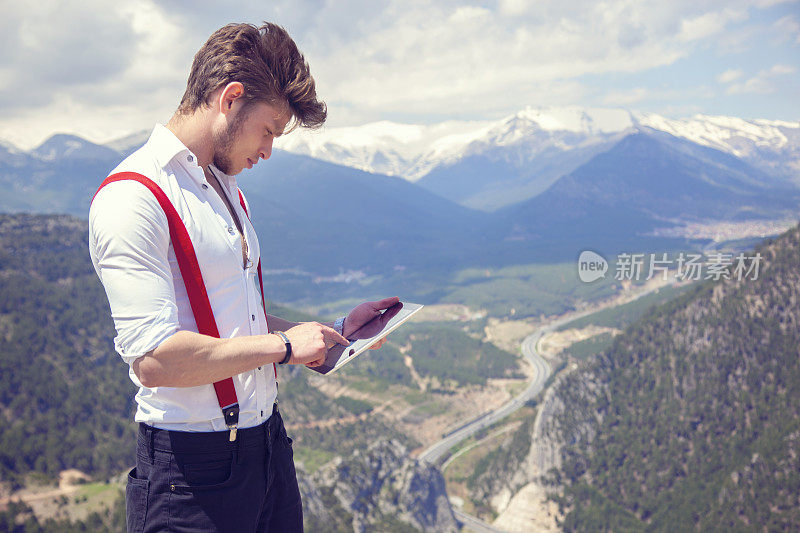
(527, 151)
(538, 186)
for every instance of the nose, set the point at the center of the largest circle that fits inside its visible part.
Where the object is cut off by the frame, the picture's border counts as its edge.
(266, 150)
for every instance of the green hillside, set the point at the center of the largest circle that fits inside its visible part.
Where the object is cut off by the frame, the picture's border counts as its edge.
(692, 416)
(65, 394)
(65, 398)
(67, 401)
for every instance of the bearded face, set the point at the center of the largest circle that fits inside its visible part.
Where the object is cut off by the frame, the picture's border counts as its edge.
(224, 143)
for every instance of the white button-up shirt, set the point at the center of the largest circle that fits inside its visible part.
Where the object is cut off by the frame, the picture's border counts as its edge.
(132, 254)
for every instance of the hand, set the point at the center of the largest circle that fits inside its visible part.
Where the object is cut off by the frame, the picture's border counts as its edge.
(310, 342)
(366, 319)
(378, 344)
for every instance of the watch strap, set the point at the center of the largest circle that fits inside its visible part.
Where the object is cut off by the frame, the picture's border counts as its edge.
(338, 326)
(288, 344)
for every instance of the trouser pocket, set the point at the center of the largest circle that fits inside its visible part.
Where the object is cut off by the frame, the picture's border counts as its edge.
(136, 502)
(213, 493)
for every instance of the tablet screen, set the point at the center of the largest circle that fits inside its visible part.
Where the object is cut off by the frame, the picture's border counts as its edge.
(339, 355)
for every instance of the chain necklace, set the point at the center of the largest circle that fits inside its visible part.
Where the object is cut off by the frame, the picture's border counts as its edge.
(245, 249)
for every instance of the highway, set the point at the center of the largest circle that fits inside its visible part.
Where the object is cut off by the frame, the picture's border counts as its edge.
(434, 453)
(542, 370)
(474, 524)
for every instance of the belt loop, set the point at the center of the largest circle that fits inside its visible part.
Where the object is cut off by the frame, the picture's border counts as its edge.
(151, 446)
(236, 449)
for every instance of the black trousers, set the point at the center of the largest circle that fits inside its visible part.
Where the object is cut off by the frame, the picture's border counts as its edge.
(186, 481)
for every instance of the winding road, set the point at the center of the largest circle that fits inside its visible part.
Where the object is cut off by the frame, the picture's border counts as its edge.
(542, 370)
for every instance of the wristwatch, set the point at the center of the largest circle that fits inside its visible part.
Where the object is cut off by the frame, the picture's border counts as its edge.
(339, 325)
(288, 355)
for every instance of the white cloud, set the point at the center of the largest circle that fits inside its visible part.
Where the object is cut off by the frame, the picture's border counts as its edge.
(730, 75)
(770, 3)
(445, 58)
(427, 59)
(761, 83)
(782, 69)
(626, 98)
(58, 46)
(637, 95)
(513, 7)
(787, 29)
(101, 67)
(706, 25)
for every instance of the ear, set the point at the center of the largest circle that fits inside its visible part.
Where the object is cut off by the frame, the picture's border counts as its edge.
(230, 93)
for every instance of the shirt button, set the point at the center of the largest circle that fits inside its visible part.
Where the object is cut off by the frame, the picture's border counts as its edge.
(190, 159)
(253, 317)
(230, 230)
(260, 369)
(205, 185)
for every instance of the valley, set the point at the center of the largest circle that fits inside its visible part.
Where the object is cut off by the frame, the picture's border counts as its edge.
(511, 400)
(451, 364)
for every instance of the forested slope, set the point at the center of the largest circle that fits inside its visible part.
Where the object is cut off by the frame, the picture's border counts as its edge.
(66, 400)
(691, 420)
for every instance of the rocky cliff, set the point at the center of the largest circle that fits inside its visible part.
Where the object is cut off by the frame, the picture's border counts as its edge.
(379, 488)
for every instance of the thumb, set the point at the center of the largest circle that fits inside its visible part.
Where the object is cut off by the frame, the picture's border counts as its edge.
(390, 313)
(386, 302)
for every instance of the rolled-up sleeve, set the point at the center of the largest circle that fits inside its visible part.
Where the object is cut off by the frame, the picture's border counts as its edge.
(129, 246)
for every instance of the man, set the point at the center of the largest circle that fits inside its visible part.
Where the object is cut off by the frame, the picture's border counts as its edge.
(197, 467)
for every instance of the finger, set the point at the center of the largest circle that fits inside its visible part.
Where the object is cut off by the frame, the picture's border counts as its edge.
(386, 302)
(318, 362)
(378, 344)
(390, 313)
(332, 334)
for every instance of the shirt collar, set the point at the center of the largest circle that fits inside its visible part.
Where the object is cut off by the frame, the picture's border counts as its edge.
(166, 146)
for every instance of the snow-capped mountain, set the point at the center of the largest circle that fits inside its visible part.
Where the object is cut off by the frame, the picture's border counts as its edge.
(412, 151)
(61, 146)
(551, 180)
(770, 145)
(127, 144)
(404, 150)
(7, 147)
(544, 143)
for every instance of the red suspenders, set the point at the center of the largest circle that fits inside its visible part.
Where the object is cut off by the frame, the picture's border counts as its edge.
(195, 288)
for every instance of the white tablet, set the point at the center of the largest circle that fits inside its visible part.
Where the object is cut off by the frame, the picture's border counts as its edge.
(339, 355)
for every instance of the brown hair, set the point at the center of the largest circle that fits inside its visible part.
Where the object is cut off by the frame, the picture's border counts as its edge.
(265, 60)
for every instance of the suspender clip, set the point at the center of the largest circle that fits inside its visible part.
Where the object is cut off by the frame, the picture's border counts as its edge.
(231, 414)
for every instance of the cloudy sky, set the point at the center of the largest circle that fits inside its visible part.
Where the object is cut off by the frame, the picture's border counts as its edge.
(102, 69)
